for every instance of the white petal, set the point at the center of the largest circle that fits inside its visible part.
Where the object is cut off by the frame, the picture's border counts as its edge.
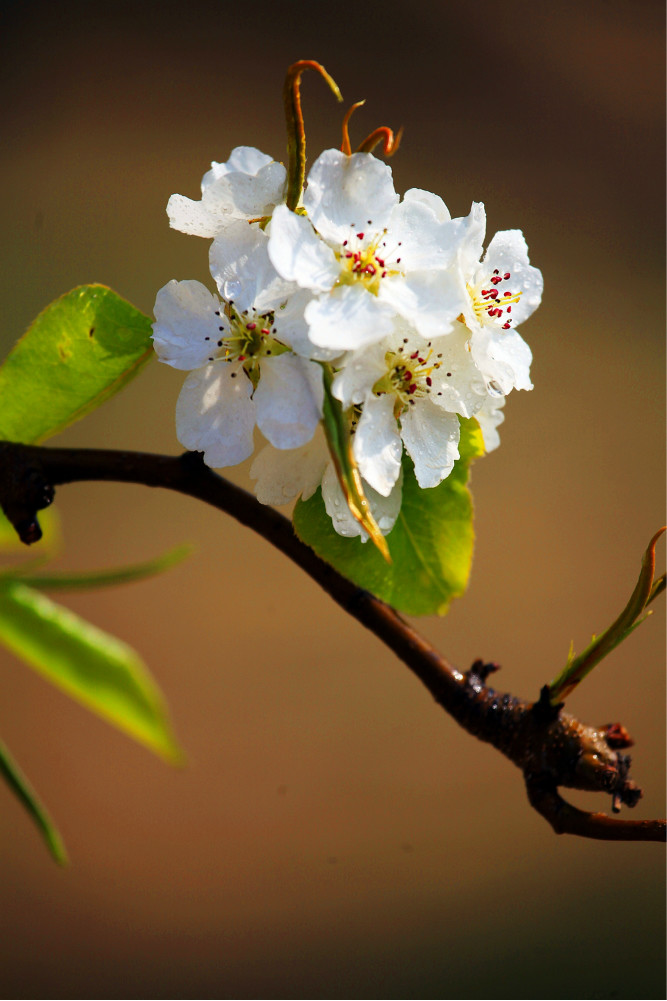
(252, 197)
(433, 202)
(471, 229)
(298, 253)
(425, 242)
(240, 264)
(458, 385)
(377, 444)
(187, 324)
(242, 159)
(430, 300)
(193, 218)
(348, 194)
(292, 329)
(431, 436)
(284, 474)
(503, 358)
(358, 371)
(489, 418)
(289, 400)
(215, 415)
(347, 318)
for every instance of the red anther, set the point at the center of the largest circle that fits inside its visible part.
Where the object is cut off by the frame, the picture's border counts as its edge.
(250, 326)
(412, 388)
(509, 309)
(496, 279)
(241, 357)
(407, 375)
(506, 326)
(360, 236)
(380, 261)
(429, 381)
(414, 355)
(345, 243)
(495, 271)
(265, 330)
(384, 274)
(508, 275)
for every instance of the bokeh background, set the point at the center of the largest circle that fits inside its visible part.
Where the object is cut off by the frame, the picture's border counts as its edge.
(334, 835)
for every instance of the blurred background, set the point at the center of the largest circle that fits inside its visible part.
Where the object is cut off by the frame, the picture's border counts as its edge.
(334, 834)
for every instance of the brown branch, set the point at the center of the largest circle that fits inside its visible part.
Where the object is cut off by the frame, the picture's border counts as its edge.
(550, 747)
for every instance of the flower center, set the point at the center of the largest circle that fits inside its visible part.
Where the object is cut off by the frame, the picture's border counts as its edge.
(492, 302)
(366, 261)
(408, 376)
(251, 337)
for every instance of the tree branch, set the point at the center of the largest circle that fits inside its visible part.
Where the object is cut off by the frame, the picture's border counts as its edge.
(551, 748)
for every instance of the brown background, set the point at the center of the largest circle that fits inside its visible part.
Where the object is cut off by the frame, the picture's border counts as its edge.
(334, 834)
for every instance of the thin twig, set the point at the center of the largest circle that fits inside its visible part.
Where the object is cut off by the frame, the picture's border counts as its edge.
(551, 747)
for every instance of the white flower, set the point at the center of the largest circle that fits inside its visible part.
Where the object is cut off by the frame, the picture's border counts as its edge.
(367, 258)
(248, 186)
(501, 291)
(410, 391)
(243, 375)
(282, 476)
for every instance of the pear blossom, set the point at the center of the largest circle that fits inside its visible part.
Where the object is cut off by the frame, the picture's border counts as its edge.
(502, 290)
(391, 295)
(409, 392)
(247, 186)
(367, 257)
(243, 374)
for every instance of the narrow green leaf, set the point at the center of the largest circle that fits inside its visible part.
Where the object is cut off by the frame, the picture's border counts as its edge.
(577, 668)
(431, 544)
(104, 578)
(79, 351)
(96, 669)
(24, 792)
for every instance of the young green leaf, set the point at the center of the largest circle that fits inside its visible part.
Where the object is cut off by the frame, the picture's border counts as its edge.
(79, 351)
(87, 581)
(431, 544)
(23, 791)
(601, 646)
(91, 666)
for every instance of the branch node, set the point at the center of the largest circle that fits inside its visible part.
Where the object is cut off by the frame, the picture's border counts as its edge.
(24, 490)
(543, 710)
(479, 671)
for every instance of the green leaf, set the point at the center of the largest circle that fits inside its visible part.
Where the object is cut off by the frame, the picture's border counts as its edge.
(79, 351)
(98, 670)
(646, 589)
(431, 544)
(103, 578)
(22, 789)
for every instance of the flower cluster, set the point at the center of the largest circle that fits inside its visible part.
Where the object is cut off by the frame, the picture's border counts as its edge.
(388, 299)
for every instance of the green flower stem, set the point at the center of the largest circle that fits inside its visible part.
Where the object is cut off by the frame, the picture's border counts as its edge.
(296, 133)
